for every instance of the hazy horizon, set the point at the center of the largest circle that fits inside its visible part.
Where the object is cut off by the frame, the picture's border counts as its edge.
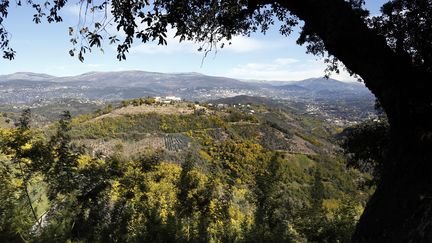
(185, 72)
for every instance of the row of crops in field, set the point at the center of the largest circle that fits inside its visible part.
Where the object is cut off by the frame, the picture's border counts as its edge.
(176, 141)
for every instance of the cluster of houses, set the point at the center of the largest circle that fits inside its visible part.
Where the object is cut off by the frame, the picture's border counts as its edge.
(246, 108)
(202, 109)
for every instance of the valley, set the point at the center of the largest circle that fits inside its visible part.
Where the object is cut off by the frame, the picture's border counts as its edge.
(250, 168)
(332, 100)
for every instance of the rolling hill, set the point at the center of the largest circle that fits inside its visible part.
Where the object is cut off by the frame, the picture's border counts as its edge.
(161, 168)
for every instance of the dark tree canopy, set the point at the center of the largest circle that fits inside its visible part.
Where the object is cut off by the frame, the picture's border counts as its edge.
(365, 146)
(391, 53)
(407, 26)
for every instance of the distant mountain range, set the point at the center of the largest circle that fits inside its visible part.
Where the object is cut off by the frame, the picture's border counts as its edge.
(320, 84)
(124, 79)
(27, 87)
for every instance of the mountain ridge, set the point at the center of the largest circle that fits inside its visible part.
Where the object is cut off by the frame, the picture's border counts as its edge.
(120, 85)
(34, 75)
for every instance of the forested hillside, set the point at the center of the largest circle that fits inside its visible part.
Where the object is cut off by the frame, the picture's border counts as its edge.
(184, 172)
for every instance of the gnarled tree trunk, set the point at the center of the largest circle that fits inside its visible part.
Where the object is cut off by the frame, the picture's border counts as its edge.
(401, 208)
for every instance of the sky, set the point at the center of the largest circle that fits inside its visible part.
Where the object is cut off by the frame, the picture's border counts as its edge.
(43, 48)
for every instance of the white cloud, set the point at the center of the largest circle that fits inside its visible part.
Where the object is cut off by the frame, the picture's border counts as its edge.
(259, 66)
(239, 44)
(283, 69)
(173, 46)
(285, 61)
(244, 44)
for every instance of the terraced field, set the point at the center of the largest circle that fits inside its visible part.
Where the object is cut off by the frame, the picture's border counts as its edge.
(177, 109)
(128, 148)
(176, 141)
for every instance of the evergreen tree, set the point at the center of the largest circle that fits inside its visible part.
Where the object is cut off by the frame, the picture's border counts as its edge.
(275, 213)
(62, 171)
(317, 191)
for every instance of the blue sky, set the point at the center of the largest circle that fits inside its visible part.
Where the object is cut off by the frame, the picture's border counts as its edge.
(44, 48)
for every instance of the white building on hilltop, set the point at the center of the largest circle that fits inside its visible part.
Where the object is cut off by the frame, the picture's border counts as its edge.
(173, 98)
(167, 99)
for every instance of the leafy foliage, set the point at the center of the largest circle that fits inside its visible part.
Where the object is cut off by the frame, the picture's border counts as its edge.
(224, 190)
(366, 146)
(407, 28)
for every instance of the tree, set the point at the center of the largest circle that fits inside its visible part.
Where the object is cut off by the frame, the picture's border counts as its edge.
(275, 214)
(317, 191)
(193, 200)
(17, 178)
(365, 146)
(125, 103)
(63, 163)
(390, 53)
(313, 221)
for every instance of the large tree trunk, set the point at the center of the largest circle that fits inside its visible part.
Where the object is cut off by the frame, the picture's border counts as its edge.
(401, 208)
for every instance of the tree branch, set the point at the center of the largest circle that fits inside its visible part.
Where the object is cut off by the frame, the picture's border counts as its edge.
(401, 88)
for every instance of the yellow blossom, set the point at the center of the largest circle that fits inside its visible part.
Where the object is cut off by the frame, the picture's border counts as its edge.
(115, 190)
(83, 161)
(26, 146)
(17, 182)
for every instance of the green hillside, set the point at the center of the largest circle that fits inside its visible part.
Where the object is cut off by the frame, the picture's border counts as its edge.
(178, 172)
(274, 129)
